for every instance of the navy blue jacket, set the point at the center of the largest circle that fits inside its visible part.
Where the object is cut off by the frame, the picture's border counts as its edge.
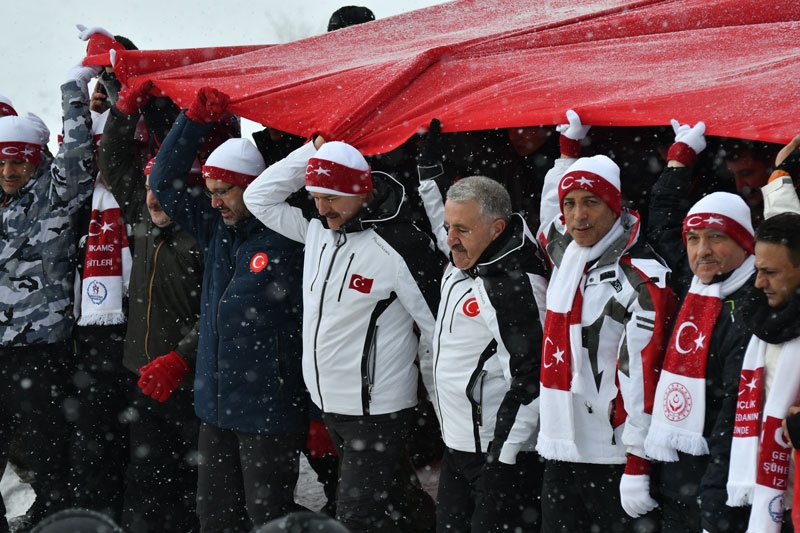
(248, 375)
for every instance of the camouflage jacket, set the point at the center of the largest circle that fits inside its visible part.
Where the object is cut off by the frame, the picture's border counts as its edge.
(37, 242)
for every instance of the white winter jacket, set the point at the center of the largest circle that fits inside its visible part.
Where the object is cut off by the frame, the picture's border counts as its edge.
(364, 289)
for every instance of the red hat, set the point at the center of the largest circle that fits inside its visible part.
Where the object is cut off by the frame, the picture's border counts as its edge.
(20, 139)
(726, 212)
(598, 175)
(236, 161)
(338, 169)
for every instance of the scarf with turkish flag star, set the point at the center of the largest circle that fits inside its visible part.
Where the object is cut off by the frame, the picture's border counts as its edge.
(562, 361)
(680, 400)
(760, 454)
(107, 265)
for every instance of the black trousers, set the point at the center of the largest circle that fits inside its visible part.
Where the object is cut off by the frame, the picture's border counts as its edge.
(36, 398)
(245, 479)
(479, 498)
(585, 497)
(100, 445)
(161, 480)
(378, 486)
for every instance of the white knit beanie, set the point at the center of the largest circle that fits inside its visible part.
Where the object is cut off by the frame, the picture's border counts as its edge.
(597, 174)
(725, 211)
(20, 139)
(338, 169)
(236, 161)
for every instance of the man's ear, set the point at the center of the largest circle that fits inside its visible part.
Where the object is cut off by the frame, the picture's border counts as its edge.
(498, 226)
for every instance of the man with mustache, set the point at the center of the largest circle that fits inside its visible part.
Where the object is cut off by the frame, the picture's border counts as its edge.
(487, 355)
(608, 310)
(369, 296)
(695, 402)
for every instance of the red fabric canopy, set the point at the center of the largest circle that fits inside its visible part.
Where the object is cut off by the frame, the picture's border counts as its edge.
(480, 64)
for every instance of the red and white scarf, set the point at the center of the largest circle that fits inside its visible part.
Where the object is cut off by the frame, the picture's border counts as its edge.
(680, 401)
(562, 359)
(759, 469)
(107, 265)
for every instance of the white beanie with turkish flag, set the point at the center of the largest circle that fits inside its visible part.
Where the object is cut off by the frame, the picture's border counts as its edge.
(20, 139)
(236, 161)
(726, 212)
(338, 169)
(597, 174)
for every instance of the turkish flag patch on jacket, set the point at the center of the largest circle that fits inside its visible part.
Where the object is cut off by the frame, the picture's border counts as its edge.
(361, 284)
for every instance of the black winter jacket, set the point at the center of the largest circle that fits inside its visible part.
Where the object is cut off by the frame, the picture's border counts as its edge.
(704, 477)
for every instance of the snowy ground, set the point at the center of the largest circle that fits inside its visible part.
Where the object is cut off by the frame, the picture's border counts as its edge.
(19, 496)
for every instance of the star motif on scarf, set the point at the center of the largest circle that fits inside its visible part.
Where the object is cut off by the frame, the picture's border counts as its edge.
(698, 342)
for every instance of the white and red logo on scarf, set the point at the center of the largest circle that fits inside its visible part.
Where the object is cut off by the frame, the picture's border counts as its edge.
(775, 452)
(107, 265)
(749, 403)
(556, 357)
(104, 243)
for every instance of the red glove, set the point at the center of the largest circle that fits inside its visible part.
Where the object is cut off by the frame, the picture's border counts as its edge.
(319, 443)
(209, 105)
(162, 376)
(131, 99)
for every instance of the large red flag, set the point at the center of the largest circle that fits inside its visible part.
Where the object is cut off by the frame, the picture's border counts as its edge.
(479, 64)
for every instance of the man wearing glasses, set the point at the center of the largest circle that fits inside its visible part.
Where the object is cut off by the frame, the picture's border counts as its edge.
(249, 392)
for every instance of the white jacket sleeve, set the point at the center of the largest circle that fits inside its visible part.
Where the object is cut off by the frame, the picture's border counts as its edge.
(780, 196)
(550, 208)
(433, 202)
(266, 197)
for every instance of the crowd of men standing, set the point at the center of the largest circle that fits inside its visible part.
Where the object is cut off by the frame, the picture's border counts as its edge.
(186, 312)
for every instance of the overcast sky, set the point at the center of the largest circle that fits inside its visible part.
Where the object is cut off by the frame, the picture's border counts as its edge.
(39, 40)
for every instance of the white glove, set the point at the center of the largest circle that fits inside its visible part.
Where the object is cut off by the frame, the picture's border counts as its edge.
(83, 73)
(692, 136)
(85, 33)
(575, 130)
(41, 128)
(634, 492)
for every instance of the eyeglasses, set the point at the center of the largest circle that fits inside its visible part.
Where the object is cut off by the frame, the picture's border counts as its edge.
(219, 193)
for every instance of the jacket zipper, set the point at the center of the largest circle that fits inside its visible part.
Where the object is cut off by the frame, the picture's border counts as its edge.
(319, 318)
(150, 303)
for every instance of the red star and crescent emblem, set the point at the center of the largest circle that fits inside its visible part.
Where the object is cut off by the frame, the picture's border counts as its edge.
(259, 262)
(471, 308)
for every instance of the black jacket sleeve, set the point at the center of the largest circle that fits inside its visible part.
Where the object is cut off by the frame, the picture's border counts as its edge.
(669, 203)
